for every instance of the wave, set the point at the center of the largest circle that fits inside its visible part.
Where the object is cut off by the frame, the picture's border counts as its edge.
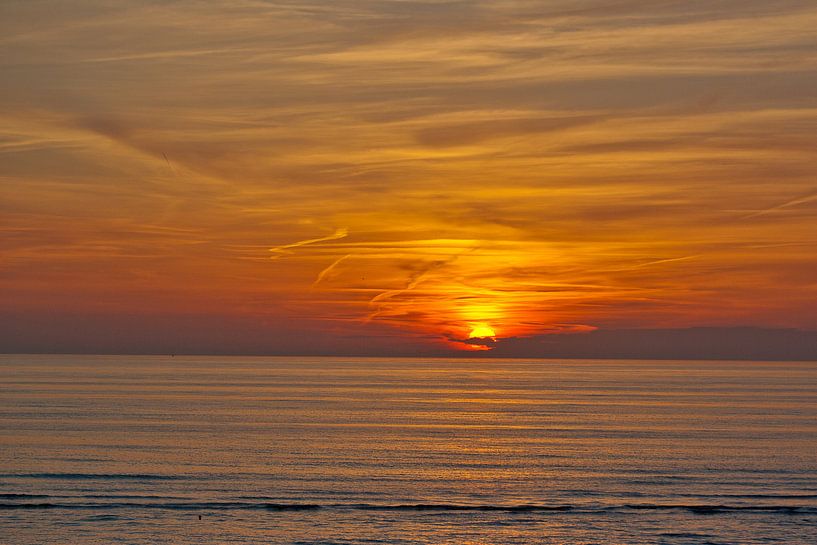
(752, 496)
(95, 476)
(714, 509)
(191, 506)
(522, 508)
(454, 507)
(22, 496)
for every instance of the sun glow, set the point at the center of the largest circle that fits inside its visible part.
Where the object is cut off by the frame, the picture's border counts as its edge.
(481, 331)
(252, 207)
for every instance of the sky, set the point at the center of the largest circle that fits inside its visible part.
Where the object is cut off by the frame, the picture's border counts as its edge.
(398, 176)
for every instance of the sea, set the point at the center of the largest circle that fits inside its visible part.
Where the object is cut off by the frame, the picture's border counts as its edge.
(466, 451)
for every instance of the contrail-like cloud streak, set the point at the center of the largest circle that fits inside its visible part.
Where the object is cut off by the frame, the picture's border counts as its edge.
(282, 250)
(324, 273)
(788, 204)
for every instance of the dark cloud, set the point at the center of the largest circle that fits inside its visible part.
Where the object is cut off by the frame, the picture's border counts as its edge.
(488, 342)
(698, 343)
(60, 332)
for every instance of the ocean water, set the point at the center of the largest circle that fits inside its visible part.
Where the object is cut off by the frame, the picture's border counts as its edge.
(119, 449)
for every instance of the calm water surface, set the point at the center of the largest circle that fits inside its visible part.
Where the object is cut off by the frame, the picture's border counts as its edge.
(116, 449)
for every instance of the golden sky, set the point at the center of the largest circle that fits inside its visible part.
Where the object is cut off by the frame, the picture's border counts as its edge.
(422, 171)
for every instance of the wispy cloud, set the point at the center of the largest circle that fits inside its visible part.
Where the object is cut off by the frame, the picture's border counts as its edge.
(810, 197)
(284, 249)
(523, 164)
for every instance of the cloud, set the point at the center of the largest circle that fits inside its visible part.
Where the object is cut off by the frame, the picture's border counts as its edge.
(282, 250)
(809, 197)
(525, 164)
(328, 270)
(732, 343)
(474, 132)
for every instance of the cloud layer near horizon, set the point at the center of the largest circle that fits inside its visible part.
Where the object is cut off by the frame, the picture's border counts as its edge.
(426, 165)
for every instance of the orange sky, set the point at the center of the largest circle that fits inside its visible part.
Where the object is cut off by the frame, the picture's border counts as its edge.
(411, 170)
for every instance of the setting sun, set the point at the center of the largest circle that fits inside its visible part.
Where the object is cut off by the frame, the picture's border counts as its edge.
(481, 331)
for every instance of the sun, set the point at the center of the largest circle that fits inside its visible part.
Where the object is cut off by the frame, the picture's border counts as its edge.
(481, 331)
